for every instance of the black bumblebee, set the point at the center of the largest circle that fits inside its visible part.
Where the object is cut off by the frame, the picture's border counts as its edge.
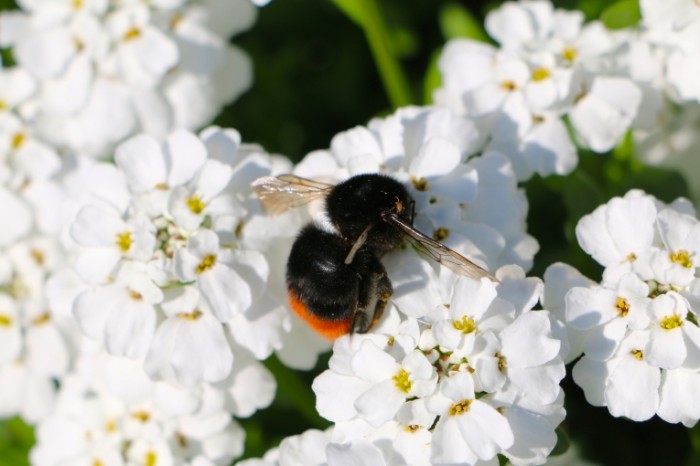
(336, 281)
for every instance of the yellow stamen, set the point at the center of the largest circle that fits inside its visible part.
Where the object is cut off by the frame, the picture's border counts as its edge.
(638, 354)
(466, 325)
(420, 184)
(142, 416)
(124, 241)
(132, 33)
(671, 322)
(17, 140)
(195, 204)
(41, 319)
(135, 295)
(5, 320)
(440, 234)
(207, 263)
(622, 306)
(459, 408)
(150, 459)
(508, 86)
(401, 381)
(682, 257)
(540, 74)
(194, 315)
(502, 363)
(569, 53)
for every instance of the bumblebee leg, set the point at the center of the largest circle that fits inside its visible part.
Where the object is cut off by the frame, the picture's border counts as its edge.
(375, 292)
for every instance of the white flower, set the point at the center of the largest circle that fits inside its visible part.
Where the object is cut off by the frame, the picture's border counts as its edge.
(190, 343)
(223, 288)
(468, 429)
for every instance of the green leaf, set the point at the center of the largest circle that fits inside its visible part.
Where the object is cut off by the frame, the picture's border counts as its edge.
(621, 15)
(457, 21)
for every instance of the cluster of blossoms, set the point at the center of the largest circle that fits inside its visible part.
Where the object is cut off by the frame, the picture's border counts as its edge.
(99, 71)
(137, 296)
(475, 376)
(109, 412)
(638, 329)
(551, 66)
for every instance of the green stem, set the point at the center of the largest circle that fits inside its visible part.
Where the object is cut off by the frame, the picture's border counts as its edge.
(367, 15)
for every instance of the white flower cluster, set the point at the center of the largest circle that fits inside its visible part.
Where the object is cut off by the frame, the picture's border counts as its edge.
(168, 276)
(549, 66)
(637, 329)
(109, 412)
(99, 71)
(477, 375)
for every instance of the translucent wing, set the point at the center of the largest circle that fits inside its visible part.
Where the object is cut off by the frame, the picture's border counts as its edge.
(281, 193)
(438, 251)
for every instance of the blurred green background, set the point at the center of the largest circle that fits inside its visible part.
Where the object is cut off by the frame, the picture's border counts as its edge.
(316, 75)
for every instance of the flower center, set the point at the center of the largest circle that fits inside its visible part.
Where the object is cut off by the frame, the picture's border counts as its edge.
(466, 325)
(440, 234)
(638, 354)
(502, 363)
(17, 140)
(540, 74)
(150, 459)
(142, 416)
(195, 204)
(622, 306)
(41, 319)
(135, 295)
(460, 408)
(132, 33)
(631, 257)
(207, 263)
(5, 320)
(671, 322)
(194, 315)
(508, 86)
(682, 257)
(401, 381)
(421, 184)
(124, 241)
(569, 53)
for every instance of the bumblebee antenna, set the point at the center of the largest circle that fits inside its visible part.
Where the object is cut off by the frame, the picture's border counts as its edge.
(358, 244)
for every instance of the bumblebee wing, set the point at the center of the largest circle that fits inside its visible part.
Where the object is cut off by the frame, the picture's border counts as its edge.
(281, 193)
(438, 251)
